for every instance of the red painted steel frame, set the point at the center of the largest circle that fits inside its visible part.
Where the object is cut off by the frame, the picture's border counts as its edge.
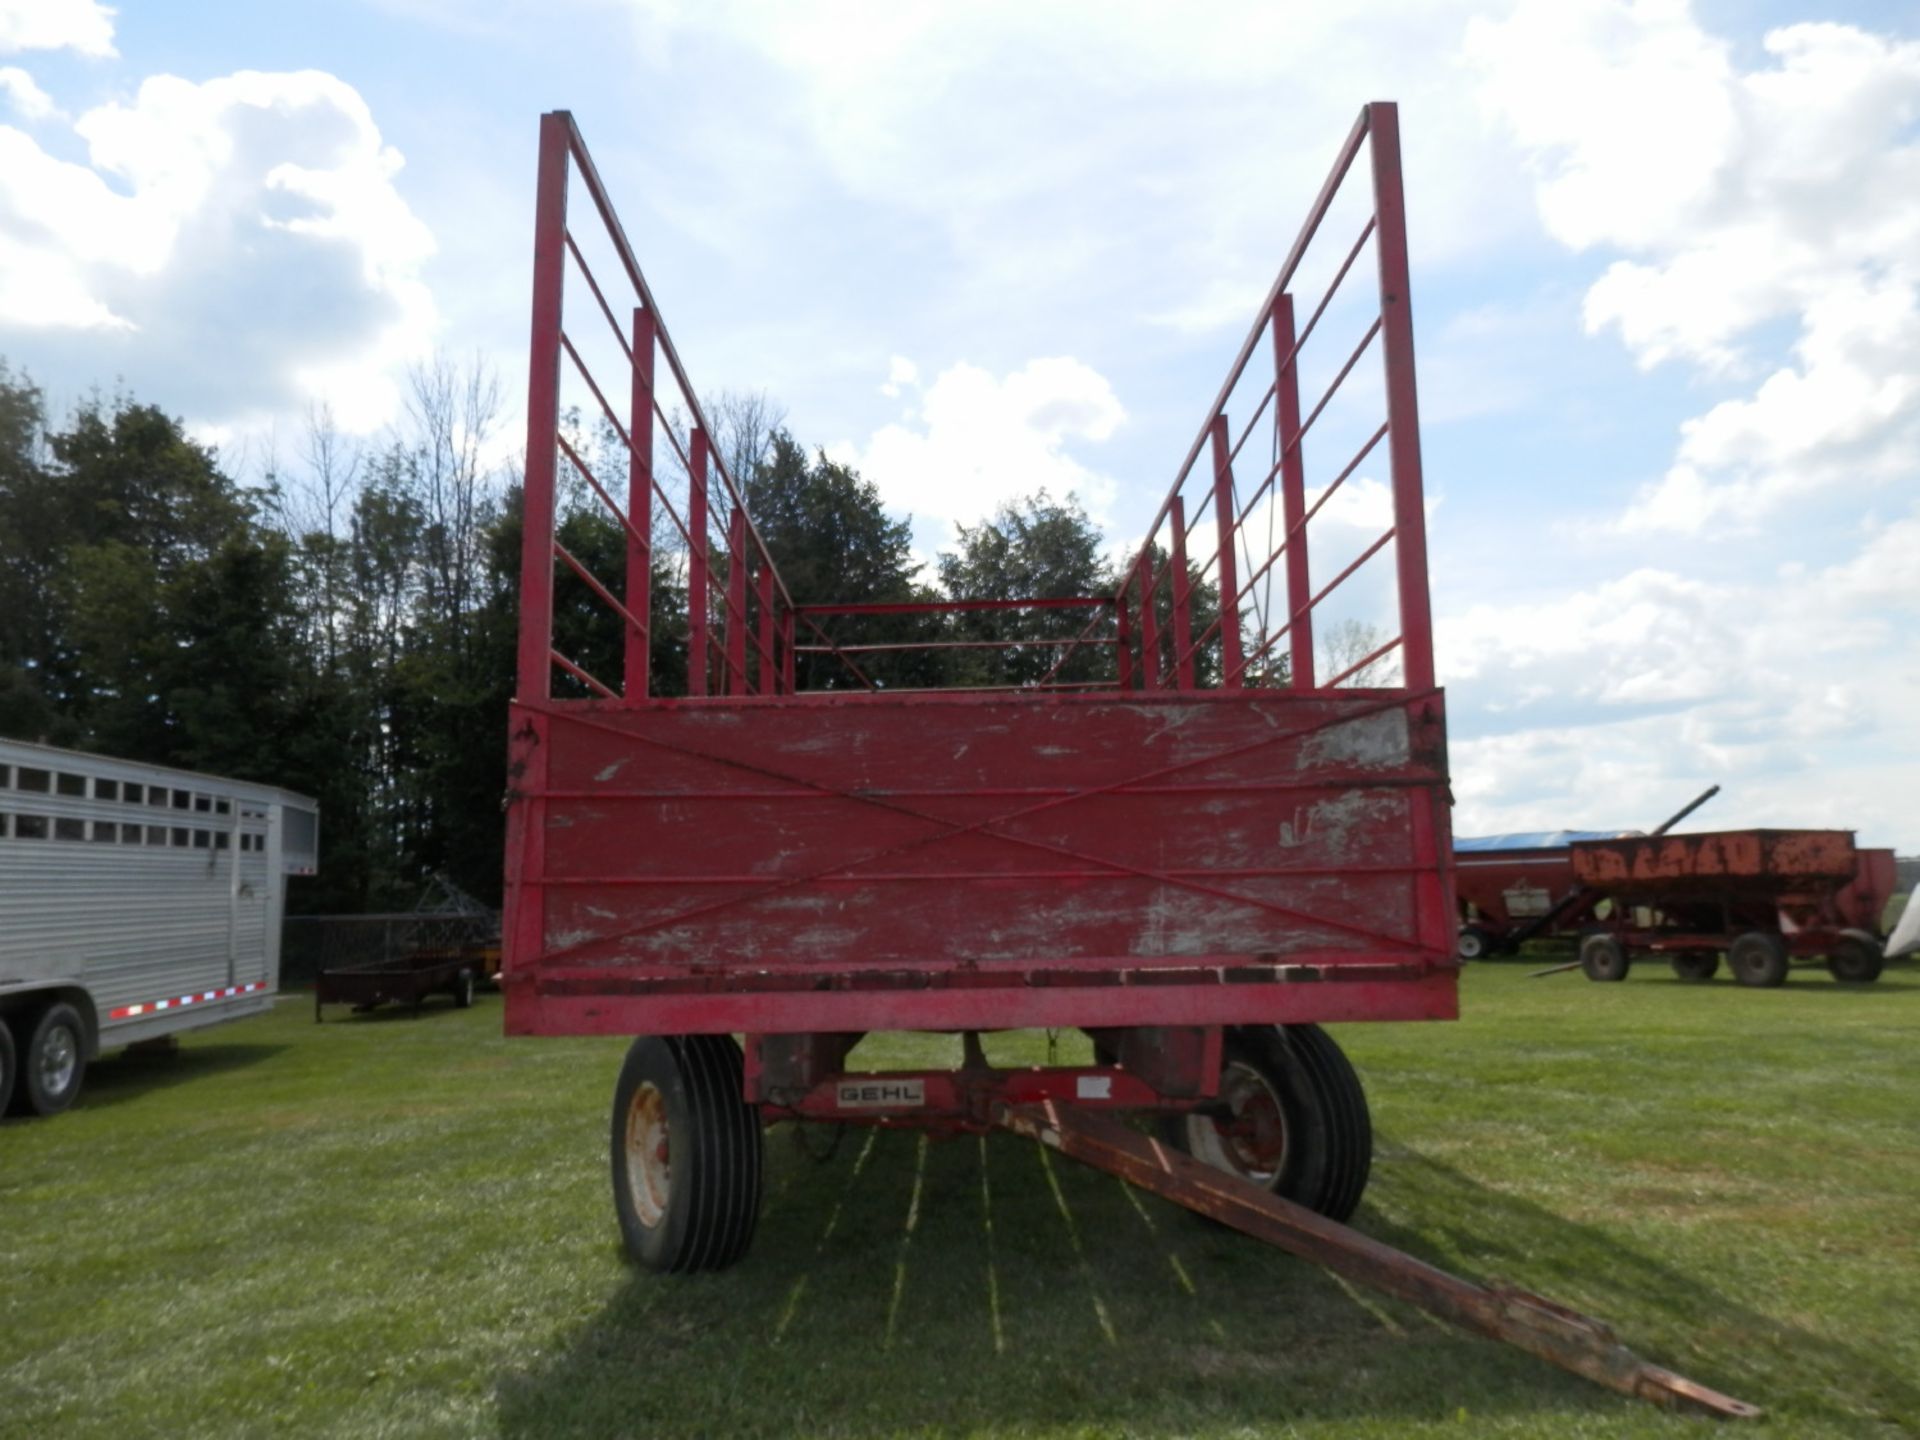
(1174, 839)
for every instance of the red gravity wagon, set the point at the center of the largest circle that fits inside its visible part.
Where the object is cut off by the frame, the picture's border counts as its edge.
(1187, 833)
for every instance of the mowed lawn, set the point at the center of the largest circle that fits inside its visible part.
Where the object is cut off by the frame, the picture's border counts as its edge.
(398, 1226)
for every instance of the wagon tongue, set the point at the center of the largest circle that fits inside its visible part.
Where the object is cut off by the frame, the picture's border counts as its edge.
(1556, 1334)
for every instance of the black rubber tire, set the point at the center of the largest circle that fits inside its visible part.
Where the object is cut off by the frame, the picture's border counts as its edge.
(1856, 961)
(1758, 958)
(58, 1031)
(463, 991)
(9, 1064)
(712, 1183)
(1696, 965)
(1603, 957)
(1473, 944)
(1328, 1153)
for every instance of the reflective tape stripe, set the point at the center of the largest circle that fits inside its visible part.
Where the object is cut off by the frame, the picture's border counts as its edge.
(128, 1012)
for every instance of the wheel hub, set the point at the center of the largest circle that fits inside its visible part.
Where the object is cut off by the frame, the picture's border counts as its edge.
(58, 1059)
(649, 1162)
(1251, 1141)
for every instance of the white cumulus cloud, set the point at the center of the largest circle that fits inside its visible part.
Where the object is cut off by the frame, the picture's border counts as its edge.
(82, 25)
(1739, 200)
(974, 440)
(229, 248)
(24, 94)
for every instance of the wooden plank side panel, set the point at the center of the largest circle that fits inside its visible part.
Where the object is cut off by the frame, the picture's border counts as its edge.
(967, 832)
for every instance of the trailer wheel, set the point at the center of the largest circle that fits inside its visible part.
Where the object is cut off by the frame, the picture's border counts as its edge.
(1758, 958)
(1474, 943)
(686, 1153)
(9, 1064)
(463, 991)
(1297, 1122)
(1603, 957)
(1696, 964)
(1855, 960)
(53, 1062)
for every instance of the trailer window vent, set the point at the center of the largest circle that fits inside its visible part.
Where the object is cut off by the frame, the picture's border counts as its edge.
(129, 834)
(6, 776)
(29, 827)
(156, 834)
(6, 824)
(201, 839)
(35, 782)
(75, 785)
(219, 839)
(106, 789)
(182, 800)
(222, 806)
(105, 832)
(133, 793)
(157, 796)
(203, 803)
(182, 836)
(69, 829)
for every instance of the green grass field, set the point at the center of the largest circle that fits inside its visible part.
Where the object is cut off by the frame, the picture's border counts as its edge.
(398, 1226)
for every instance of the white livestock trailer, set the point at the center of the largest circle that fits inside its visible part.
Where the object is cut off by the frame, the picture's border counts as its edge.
(135, 902)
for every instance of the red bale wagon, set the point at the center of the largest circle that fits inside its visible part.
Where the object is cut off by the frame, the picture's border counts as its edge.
(1766, 898)
(1177, 832)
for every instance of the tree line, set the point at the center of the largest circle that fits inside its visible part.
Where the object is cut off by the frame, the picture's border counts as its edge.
(343, 623)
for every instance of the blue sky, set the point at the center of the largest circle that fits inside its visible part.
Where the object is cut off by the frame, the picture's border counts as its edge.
(1666, 270)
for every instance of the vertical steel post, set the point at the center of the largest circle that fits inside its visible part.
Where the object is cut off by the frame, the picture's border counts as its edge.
(1227, 524)
(1123, 642)
(788, 665)
(1149, 624)
(639, 595)
(534, 659)
(1403, 408)
(697, 563)
(766, 629)
(736, 602)
(1293, 493)
(1182, 618)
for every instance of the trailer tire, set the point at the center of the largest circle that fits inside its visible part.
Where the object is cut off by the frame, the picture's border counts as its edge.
(53, 1062)
(1603, 957)
(9, 1064)
(1758, 958)
(463, 990)
(686, 1154)
(1696, 965)
(1474, 943)
(1855, 961)
(1313, 1140)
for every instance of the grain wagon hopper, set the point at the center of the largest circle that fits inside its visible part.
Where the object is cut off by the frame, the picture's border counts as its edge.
(1767, 899)
(1178, 830)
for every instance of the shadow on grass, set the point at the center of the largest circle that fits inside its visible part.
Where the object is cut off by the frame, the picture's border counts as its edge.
(114, 1078)
(341, 1013)
(1670, 1315)
(904, 1285)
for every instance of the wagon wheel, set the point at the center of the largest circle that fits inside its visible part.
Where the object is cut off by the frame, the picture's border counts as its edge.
(1295, 1118)
(1603, 957)
(463, 990)
(686, 1153)
(1474, 943)
(1758, 958)
(1856, 960)
(52, 1062)
(1697, 964)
